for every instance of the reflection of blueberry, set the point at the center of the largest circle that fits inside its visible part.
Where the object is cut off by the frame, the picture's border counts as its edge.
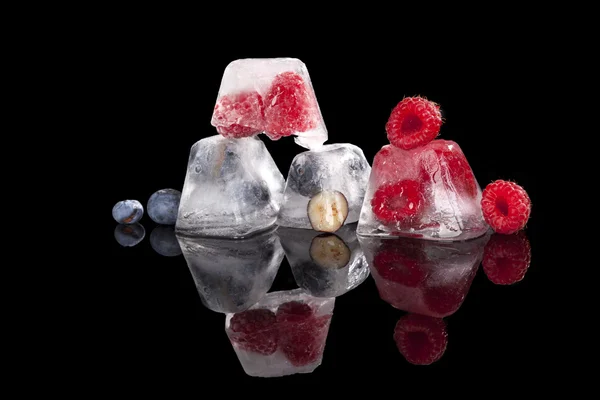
(163, 206)
(314, 279)
(303, 177)
(164, 241)
(128, 211)
(129, 235)
(255, 193)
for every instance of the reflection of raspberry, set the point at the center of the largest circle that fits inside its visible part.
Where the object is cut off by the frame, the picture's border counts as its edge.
(455, 171)
(239, 115)
(303, 343)
(293, 311)
(290, 106)
(506, 258)
(414, 122)
(402, 262)
(506, 206)
(255, 330)
(421, 340)
(443, 300)
(398, 202)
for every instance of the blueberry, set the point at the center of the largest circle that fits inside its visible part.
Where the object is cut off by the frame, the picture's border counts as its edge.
(255, 193)
(128, 211)
(129, 235)
(302, 176)
(356, 165)
(163, 206)
(164, 241)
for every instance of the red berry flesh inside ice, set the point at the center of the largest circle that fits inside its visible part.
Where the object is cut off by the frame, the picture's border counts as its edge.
(303, 342)
(290, 106)
(255, 331)
(420, 339)
(506, 206)
(294, 311)
(414, 122)
(239, 115)
(401, 262)
(398, 202)
(506, 258)
(453, 167)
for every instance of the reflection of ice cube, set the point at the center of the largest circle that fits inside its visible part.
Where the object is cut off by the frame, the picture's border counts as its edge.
(342, 167)
(428, 192)
(424, 277)
(309, 335)
(232, 275)
(314, 272)
(232, 188)
(255, 78)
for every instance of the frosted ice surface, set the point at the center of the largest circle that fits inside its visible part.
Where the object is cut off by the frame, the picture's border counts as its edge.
(420, 276)
(232, 188)
(271, 95)
(341, 166)
(232, 275)
(428, 192)
(284, 346)
(314, 272)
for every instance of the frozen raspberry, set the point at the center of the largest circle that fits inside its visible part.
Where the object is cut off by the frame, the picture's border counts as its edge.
(239, 115)
(506, 206)
(421, 340)
(443, 300)
(456, 170)
(304, 343)
(506, 258)
(290, 106)
(255, 330)
(293, 311)
(414, 122)
(398, 202)
(402, 262)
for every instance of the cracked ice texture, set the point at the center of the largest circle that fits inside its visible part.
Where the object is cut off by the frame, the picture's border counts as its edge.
(305, 339)
(313, 275)
(429, 192)
(423, 277)
(252, 99)
(232, 275)
(341, 166)
(232, 189)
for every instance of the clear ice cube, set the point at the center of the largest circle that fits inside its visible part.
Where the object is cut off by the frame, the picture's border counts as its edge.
(232, 275)
(428, 192)
(283, 334)
(270, 95)
(424, 277)
(232, 188)
(341, 167)
(325, 265)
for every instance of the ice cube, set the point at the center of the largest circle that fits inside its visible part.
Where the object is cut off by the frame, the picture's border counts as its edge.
(232, 188)
(326, 264)
(270, 95)
(232, 275)
(283, 334)
(428, 192)
(421, 276)
(338, 167)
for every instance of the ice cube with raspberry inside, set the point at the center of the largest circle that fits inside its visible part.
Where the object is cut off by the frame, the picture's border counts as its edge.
(428, 192)
(274, 96)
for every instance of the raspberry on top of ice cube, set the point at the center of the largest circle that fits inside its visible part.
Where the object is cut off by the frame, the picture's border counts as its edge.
(414, 122)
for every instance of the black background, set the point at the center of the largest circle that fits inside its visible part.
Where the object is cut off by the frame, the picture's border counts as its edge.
(153, 97)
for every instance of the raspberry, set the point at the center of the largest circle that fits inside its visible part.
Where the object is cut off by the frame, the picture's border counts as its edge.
(293, 311)
(398, 202)
(239, 115)
(414, 122)
(443, 300)
(290, 106)
(401, 262)
(456, 169)
(303, 343)
(255, 330)
(506, 206)
(506, 258)
(421, 340)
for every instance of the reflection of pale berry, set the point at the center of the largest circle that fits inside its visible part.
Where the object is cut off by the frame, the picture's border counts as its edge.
(163, 206)
(164, 241)
(128, 211)
(506, 206)
(129, 235)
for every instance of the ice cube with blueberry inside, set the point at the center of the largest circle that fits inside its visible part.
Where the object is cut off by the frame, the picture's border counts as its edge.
(232, 188)
(272, 96)
(334, 168)
(325, 264)
(423, 276)
(428, 192)
(283, 334)
(232, 275)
